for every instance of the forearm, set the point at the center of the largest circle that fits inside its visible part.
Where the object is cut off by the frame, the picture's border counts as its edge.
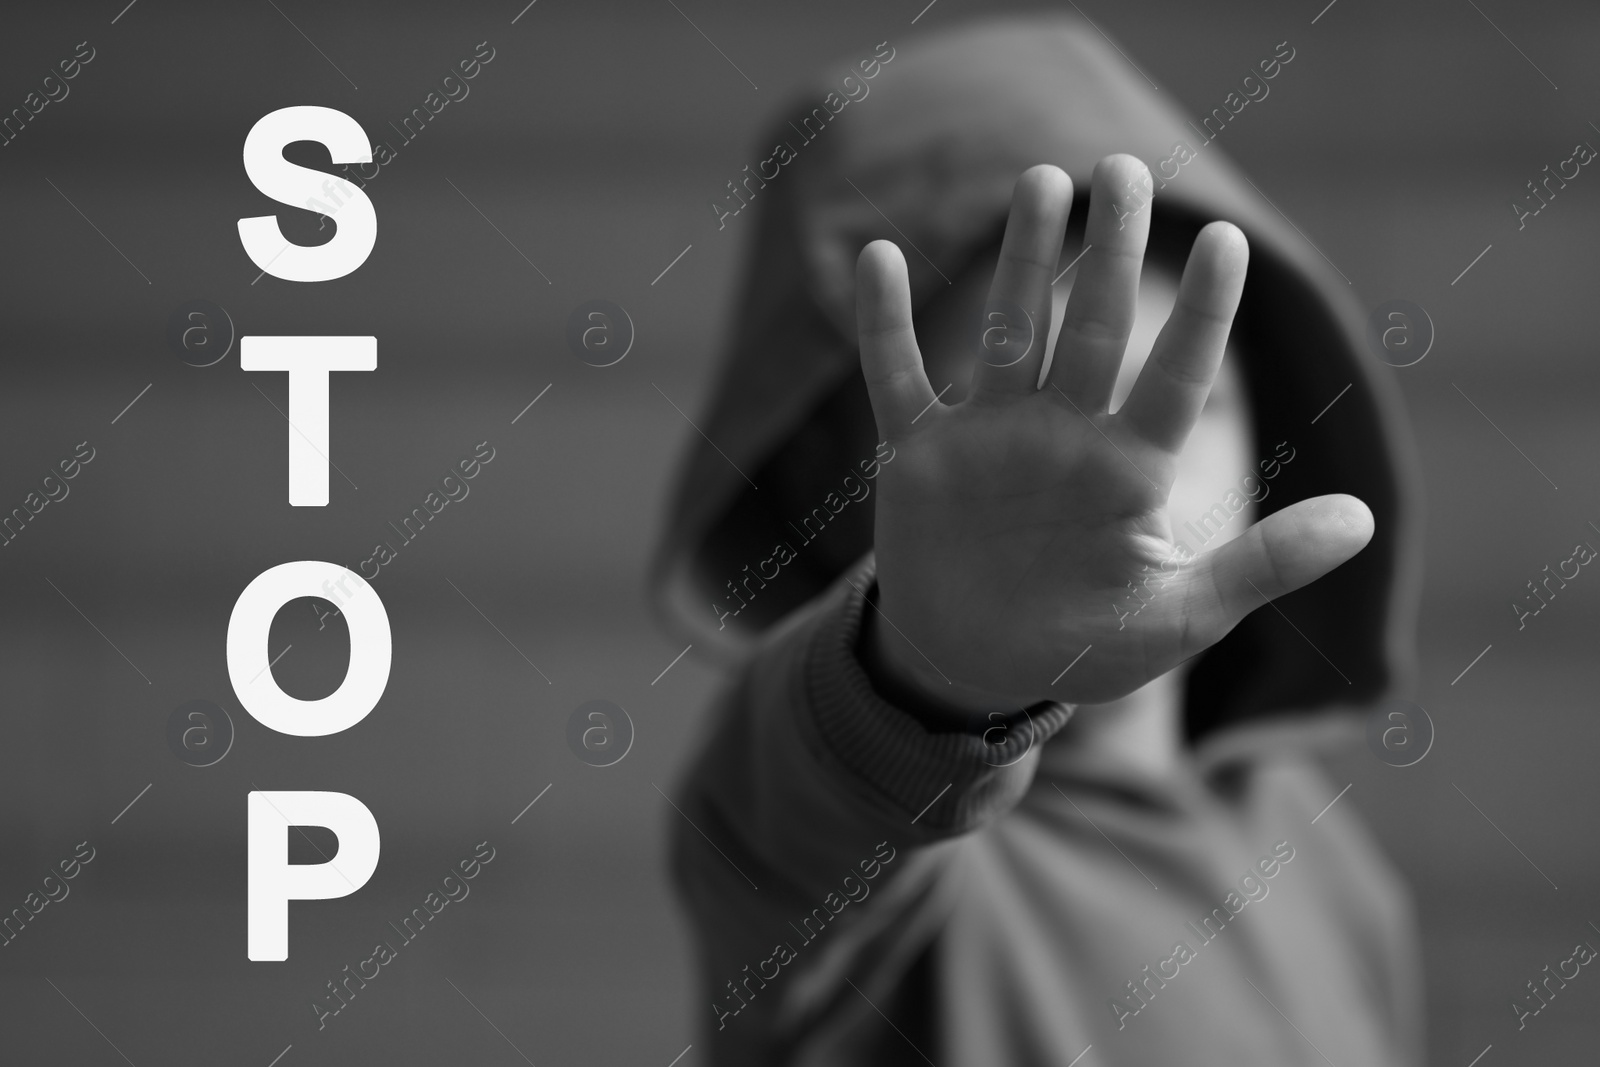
(808, 767)
(815, 802)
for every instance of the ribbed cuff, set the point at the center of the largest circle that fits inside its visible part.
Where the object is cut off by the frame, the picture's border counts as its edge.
(948, 782)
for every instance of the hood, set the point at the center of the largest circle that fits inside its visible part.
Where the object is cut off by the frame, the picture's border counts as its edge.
(925, 153)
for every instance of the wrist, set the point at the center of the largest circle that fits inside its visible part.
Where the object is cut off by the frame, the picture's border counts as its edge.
(904, 676)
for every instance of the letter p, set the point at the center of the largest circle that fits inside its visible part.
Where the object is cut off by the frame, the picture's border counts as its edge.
(274, 881)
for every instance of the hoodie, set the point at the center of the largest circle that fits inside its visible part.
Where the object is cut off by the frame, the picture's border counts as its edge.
(863, 889)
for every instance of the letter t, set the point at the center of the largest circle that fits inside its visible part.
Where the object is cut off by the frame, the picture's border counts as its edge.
(308, 361)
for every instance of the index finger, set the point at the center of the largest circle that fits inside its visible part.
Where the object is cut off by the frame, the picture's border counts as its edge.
(1173, 384)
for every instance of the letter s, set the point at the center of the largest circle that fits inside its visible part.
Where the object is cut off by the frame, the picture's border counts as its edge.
(355, 228)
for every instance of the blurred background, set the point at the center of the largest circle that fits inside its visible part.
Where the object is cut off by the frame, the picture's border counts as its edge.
(577, 168)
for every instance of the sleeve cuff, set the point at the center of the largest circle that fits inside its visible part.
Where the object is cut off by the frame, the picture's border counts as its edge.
(947, 782)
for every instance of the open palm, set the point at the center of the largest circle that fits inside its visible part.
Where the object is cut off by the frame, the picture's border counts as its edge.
(1021, 526)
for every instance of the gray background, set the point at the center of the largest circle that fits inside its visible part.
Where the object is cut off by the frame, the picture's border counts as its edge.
(593, 140)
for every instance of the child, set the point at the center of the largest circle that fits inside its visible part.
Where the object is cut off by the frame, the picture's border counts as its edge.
(1014, 766)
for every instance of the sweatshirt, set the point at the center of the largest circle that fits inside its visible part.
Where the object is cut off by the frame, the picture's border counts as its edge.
(865, 889)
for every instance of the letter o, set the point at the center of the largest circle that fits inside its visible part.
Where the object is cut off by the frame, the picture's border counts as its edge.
(248, 666)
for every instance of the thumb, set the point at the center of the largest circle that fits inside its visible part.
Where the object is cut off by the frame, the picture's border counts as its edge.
(1284, 551)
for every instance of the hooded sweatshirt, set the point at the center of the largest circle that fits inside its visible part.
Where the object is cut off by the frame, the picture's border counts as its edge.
(865, 889)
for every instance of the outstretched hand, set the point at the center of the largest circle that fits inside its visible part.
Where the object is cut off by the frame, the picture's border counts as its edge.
(1012, 522)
